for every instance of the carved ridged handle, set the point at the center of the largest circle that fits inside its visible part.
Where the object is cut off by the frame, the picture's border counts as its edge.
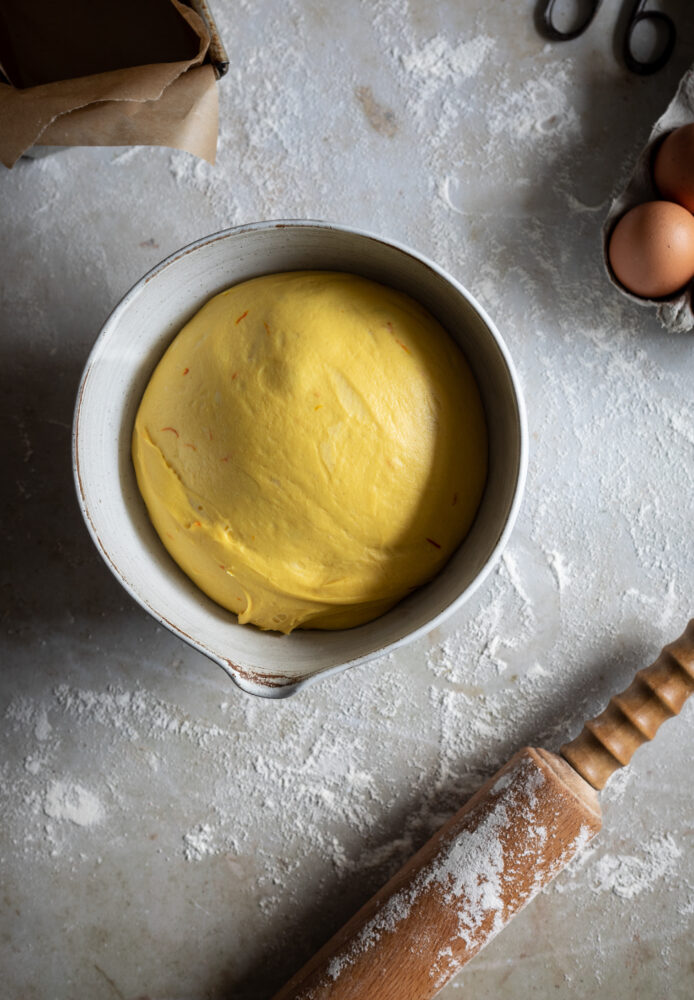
(658, 692)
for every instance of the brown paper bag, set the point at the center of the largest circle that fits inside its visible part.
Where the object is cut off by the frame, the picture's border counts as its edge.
(157, 104)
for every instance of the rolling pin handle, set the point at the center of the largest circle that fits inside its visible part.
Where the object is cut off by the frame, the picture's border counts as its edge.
(658, 692)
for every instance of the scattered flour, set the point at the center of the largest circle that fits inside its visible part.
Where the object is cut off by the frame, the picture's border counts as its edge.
(628, 875)
(624, 875)
(70, 801)
(42, 728)
(560, 570)
(294, 808)
(131, 711)
(479, 874)
(199, 843)
(32, 764)
(542, 106)
(437, 62)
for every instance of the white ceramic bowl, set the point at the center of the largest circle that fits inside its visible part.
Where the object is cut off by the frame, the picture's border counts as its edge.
(131, 343)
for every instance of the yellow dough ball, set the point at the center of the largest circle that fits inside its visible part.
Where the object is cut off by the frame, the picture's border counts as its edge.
(311, 448)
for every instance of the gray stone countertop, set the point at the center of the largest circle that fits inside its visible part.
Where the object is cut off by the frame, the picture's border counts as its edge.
(166, 836)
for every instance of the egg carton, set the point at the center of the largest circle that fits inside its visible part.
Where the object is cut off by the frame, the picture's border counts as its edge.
(675, 313)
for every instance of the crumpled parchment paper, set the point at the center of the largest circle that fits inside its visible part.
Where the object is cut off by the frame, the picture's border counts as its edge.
(160, 104)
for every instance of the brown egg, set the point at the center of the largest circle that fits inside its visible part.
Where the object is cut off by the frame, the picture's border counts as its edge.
(651, 249)
(673, 170)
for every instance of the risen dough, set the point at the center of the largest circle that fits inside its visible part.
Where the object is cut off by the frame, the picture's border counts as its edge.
(311, 447)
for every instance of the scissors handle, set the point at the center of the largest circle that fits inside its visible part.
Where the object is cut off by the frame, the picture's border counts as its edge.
(657, 19)
(550, 29)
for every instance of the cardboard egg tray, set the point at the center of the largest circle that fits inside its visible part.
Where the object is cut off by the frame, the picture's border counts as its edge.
(675, 313)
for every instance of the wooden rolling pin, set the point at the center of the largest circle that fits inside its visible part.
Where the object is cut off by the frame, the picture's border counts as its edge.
(494, 855)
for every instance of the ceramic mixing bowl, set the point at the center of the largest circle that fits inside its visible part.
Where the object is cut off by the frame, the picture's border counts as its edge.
(129, 346)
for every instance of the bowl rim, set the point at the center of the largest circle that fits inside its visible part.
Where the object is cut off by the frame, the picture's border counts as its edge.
(248, 680)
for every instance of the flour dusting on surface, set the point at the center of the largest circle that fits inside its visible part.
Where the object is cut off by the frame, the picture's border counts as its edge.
(70, 801)
(130, 767)
(628, 875)
(437, 62)
(199, 843)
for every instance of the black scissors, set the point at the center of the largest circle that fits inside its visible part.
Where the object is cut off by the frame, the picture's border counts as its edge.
(656, 18)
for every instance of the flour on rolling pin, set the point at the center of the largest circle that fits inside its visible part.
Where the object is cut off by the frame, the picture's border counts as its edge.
(464, 885)
(482, 899)
(495, 854)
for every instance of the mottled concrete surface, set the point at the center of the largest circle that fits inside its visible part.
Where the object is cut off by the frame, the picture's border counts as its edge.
(164, 835)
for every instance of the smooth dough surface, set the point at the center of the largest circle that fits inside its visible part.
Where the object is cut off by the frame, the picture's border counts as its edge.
(311, 447)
